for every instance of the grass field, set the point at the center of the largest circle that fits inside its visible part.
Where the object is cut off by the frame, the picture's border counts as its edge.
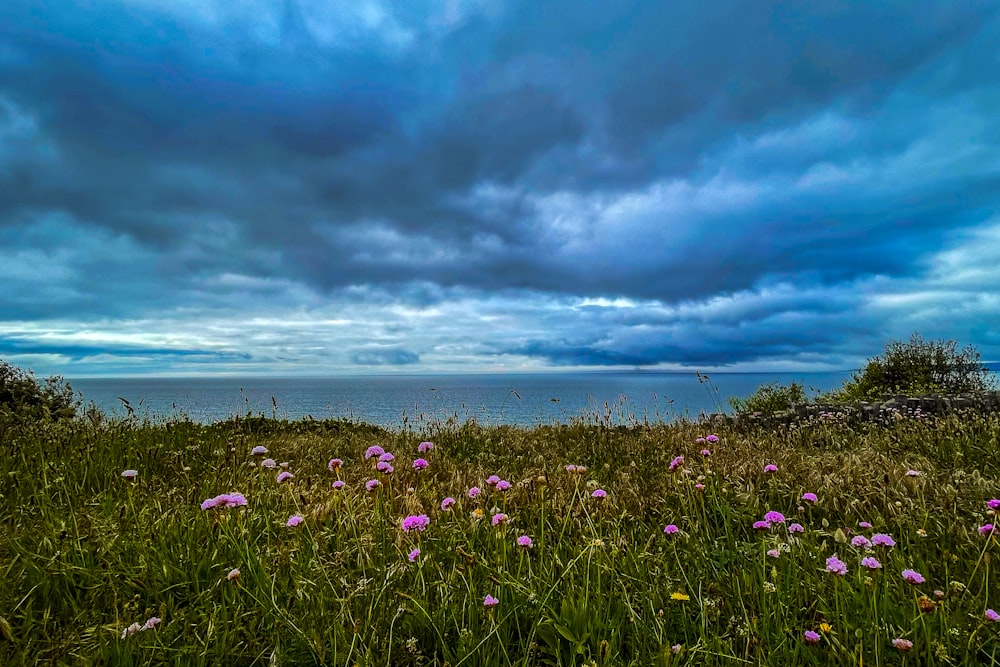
(700, 551)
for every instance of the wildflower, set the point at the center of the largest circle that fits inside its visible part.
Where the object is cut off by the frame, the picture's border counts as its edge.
(151, 623)
(233, 574)
(796, 528)
(492, 480)
(773, 553)
(699, 487)
(371, 485)
(861, 541)
(571, 468)
(676, 463)
(871, 563)
(447, 502)
(991, 616)
(130, 474)
(477, 514)
(524, 541)
(386, 457)
(770, 467)
(283, 464)
(903, 645)
(385, 467)
(913, 577)
(225, 500)
(676, 648)
(680, 596)
(498, 518)
(926, 604)
(334, 465)
(339, 484)
(921, 532)
(268, 463)
(699, 440)
(810, 496)
(774, 517)
(425, 447)
(374, 450)
(913, 473)
(284, 475)
(420, 464)
(413, 555)
(599, 493)
(712, 438)
(670, 529)
(761, 525)
(864, 524)
(993, 503)
(939, 594)
(259, 450)
(836, 566)
(416, 522)
(706, 452)
(490, 601)
(825, 627)
(474, 491)
(883, 540)
(293, 521)
(986, 529)
(810, 637)
(503, 485)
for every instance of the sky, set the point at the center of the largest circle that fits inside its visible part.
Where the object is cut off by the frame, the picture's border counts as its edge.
(377, 186)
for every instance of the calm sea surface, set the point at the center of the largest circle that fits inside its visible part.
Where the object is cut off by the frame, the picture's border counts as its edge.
(523, 399)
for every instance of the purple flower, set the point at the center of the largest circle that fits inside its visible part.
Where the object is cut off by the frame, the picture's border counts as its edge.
(413, 555)
(420, 464)
(864, 524)
(706, 452)
(425, 447)
(372, 484)
(284, 475)
(502, 485)
(490, 601)
(770, 467)
(233, 574)
(151, 623)
(903, 645)
(993, 503)
(259, 450)
(913, 577)
(796, 528)
(571, 468)
(670, 529)
(773, 553)
(986, 529)
(676, 463)
(774, 517)
(492, 480)
(374, 450)
(810, 637)
(268, 463)
(474, 491)
(447, 502)
(871, 563)
(810, 496)
(861, 542)
(339, 484)
(498, 518)
(386, 457)
(699, 440)
(761, 525)
(836, 566)
(385, 467)
(293, 521)
(524, 541)
(991, 616)
(699, 487)
(913, 473)
(130, 474)
(225, 500)
(711, 438)
(416, 522)
(883, 540)
(334, 465)
(599, 493)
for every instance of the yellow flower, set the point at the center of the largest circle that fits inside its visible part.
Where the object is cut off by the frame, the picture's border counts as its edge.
(598, 542)
(825, 627)
(477, 513)
(680, 596)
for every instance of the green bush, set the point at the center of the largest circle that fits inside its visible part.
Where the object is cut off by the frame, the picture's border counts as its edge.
(770, 397)
(23, 395)
(918, 367)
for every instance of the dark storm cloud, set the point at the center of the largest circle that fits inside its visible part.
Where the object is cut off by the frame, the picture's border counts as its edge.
(24, 346)
(157, 160)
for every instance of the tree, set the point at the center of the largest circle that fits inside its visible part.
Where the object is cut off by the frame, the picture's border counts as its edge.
(919, 367)
(23, 395)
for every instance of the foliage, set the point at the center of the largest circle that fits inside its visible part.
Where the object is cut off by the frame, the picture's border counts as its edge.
(918, 367)
(770, 398)
(24, 396)
(87, 552)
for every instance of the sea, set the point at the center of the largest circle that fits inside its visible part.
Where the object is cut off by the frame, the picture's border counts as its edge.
(399, 401)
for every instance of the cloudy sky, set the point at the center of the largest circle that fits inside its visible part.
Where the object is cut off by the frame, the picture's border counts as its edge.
(251, 186)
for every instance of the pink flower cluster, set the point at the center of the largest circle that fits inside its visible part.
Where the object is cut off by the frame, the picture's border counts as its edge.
(416, 522)
(425, 447)
(151, 623)
(225, 500)
(676, 463)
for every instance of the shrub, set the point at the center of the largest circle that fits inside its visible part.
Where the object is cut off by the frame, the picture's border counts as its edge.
(918, 367)
(770, 397)
(23, 395)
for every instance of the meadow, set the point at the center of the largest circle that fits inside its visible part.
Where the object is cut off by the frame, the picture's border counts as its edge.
(257, 541)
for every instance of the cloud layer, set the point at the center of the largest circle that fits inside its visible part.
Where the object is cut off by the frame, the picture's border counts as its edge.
(243, 186)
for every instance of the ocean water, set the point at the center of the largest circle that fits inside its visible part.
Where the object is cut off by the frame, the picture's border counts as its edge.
(393, 401)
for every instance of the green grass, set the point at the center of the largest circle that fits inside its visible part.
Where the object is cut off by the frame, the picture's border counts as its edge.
(86, 553)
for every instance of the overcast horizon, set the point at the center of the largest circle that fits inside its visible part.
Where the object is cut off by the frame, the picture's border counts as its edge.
(198, 187)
